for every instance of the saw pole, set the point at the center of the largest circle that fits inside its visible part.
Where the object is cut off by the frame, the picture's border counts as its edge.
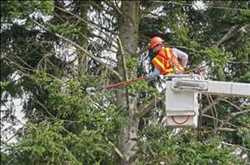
(122, 84)
(127, 83)
(115, 85)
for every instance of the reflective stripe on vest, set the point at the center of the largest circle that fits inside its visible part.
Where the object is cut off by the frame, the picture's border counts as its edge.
(161, 67)
(167, 63)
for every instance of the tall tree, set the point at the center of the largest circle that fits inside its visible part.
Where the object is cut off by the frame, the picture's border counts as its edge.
(129, 18)
(53, 51)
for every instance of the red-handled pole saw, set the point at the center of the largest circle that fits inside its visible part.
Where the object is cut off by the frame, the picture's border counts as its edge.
(122, 84)
(92, 90)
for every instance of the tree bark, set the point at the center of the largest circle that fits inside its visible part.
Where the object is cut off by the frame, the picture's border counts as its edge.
(82, 58)
(128, 35)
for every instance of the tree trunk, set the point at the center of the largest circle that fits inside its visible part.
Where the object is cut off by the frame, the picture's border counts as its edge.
(82, 58)
(128, 34)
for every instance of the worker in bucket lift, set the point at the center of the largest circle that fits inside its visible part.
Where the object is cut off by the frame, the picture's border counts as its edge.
(165, 60)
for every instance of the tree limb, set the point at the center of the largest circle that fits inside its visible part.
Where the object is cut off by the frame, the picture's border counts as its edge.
(114, 5)
(226, 129)
(123, 59)
(213, 110)
(222, 121)
(232, 104)
(227, 36)
(81, 19)
(216, 101)
(240, 113)
(117, 150)
(228, 144)
(124, 67)
(232, 31)
(81, 48)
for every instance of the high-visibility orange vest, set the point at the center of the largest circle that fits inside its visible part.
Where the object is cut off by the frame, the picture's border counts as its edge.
(166, 62)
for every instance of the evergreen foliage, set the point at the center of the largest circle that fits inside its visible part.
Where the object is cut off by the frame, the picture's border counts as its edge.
(53, 50)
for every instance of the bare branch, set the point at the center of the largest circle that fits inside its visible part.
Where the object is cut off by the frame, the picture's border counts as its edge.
(81, 48)
(226, 129)
(123, 59)
(114, 5)
(213, 110)
(240, 113)
(228, 144)
(222, 121)
(85, 21)
(227, 36)
(216, 101)
(117, 150)
(232, 31)
(232, 104)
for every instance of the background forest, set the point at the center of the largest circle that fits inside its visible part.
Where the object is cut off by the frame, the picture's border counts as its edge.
(53, 50)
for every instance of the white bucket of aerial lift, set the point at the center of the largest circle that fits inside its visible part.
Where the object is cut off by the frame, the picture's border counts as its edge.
(182, 97)
(182, 103)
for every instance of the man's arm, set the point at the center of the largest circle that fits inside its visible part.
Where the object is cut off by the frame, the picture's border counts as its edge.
(181, 55)
(153, 75)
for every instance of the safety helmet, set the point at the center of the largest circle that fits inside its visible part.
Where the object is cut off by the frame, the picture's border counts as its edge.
(155, 41)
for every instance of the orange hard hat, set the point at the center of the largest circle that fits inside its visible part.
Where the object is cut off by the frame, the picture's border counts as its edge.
(155, 41)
